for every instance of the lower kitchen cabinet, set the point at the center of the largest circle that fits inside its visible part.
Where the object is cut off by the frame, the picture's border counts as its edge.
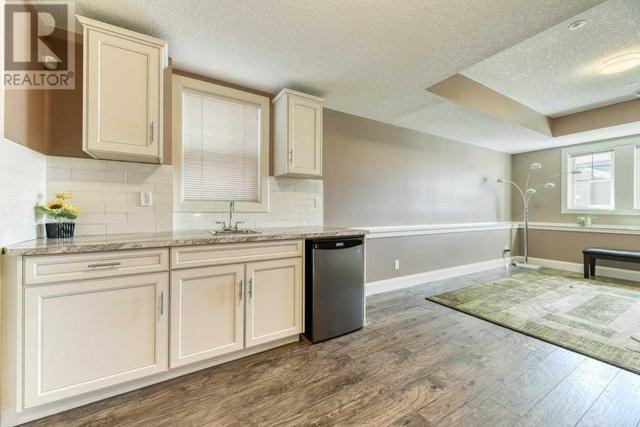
(274, 300)
(87, 335)
(207, 313)
(123, 319)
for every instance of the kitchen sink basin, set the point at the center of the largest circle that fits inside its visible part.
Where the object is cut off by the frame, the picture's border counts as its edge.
(241, 231)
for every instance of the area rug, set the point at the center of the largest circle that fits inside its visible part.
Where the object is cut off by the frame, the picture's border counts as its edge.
(597, 318)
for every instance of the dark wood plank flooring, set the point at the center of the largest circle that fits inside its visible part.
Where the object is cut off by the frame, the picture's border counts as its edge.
(416, 363)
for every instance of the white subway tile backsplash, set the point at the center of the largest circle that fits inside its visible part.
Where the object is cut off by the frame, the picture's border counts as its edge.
(125, 188)
(86, 229)
(164, 188)
(54, 185)
(59, 174)
(108, 193)
(89, 218)
(97, 176)
(291, 204)
(130, 228)
(22, 185)
(143, 178)
(90, 207)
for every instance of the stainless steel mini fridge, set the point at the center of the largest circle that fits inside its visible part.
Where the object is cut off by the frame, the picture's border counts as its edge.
(334, 287)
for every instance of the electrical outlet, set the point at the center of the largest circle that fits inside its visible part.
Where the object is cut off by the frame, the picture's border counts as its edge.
(396, 264)
(146, 198)
(317, 202)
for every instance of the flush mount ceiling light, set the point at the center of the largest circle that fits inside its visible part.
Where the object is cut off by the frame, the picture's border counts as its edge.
(577, 24)
(620, 63)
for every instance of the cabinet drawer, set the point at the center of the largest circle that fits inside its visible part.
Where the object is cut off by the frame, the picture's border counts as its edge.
(232, 253)
(58, 268)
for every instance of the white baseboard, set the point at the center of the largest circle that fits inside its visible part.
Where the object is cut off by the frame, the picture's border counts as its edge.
(615, 273)
(402, 282)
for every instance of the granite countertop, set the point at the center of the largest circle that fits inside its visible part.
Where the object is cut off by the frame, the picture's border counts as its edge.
(177, 238)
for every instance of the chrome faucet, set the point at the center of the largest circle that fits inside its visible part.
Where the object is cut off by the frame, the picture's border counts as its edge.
(230, 226)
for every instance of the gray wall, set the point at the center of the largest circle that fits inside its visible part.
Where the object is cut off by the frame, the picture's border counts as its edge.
(418, 254)
(546, 205)
(376, 174)
(568, 245)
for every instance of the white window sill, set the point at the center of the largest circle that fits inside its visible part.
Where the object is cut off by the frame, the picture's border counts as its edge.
(600, 211)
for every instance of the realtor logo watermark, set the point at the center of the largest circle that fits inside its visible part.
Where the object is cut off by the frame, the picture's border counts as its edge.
(39, 51)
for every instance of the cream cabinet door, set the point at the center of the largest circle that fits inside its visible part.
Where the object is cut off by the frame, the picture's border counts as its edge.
(84, 336)
(122, 96)
(274, 300)
(207, 313)
(305, 136)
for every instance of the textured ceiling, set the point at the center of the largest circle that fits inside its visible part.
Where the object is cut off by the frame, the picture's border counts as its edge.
(371, 58)
(555, 72)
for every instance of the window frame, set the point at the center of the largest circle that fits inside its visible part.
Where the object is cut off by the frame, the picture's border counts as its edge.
(624, 169)
(180, 84)
(570, 190)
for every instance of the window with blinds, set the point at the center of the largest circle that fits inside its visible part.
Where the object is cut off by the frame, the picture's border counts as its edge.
(221, 149)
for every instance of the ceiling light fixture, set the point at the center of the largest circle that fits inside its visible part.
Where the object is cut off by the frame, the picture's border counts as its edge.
(620, 63)
(577, 24)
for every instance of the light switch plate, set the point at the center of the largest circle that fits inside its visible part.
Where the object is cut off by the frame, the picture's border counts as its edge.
(146, 198)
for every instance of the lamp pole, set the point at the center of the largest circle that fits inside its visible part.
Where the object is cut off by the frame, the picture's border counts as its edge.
(527, 195)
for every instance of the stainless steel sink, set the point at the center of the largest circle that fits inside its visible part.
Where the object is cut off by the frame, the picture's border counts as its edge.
(241, 231)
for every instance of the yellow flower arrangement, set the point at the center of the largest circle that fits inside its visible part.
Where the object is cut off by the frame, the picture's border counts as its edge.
(59, 208)
(63, 195)
(55, 204)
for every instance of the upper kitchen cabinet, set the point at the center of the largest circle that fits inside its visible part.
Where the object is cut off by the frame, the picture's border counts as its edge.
(122, 93)
(298, 134)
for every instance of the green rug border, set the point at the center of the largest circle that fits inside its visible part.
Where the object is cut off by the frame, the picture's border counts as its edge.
(523, 332)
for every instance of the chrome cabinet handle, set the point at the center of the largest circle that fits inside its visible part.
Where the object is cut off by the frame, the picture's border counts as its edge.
(251, 288)
(161, 303)
(105, 264)
(240, 294)
(152, 130)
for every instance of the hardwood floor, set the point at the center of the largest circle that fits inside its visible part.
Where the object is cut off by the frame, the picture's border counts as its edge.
(416, 363)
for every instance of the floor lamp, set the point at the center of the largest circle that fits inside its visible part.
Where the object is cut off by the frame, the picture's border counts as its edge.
(527, 195)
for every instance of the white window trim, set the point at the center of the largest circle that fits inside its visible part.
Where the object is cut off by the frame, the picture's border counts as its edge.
(636, 176)
(620, 206)
(179, 85)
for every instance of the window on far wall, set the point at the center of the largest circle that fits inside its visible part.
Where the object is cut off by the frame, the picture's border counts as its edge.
(592, 188)
(609, 181)
(220, 147)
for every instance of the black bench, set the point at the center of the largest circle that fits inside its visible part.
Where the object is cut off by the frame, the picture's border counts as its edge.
(591, 254)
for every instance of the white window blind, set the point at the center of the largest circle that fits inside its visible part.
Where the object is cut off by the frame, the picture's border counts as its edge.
(221, 146)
